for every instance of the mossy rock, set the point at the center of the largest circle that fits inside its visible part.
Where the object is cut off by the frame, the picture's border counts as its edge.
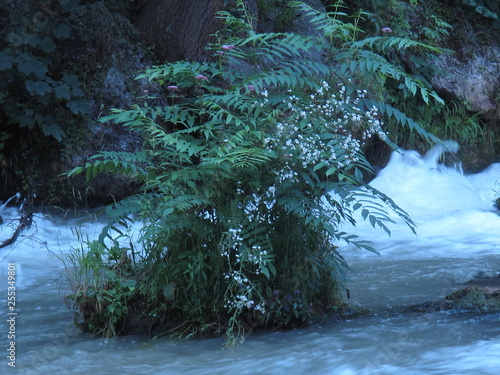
(479, 299)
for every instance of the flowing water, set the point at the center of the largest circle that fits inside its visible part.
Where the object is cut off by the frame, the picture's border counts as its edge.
(458, 233)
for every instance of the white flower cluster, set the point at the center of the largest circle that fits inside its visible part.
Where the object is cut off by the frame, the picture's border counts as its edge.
(239, 278)
(287, 173)
(331, 129)
(261, 103)
(248, 260)
(234, 240)
(242, 301)
(258, 206)
(242, 283)
(257, 256)
(239, 302)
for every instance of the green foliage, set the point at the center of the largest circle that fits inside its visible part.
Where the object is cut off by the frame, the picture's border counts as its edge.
(249, 173)
(43, 108)
(487, 8)
(454, 121)
(101, 285)
(34, 91)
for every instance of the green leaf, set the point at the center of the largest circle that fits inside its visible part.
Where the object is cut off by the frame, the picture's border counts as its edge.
(75, 171)
(62, 92)
(71, 79)
(38, 88)
(33, 66)
(265, 271)
(77, 92)
(78, 106)
(50, 127)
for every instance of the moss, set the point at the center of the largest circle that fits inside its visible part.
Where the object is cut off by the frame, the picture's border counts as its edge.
(479, 299)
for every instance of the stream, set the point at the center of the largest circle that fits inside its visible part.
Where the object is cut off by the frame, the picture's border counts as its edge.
(458, 239)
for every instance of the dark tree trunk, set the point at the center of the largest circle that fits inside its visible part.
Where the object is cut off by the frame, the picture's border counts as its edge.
(179, 30)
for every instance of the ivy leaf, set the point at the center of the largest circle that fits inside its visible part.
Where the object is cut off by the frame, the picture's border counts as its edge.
(62, 92)
(50, 127)
(32, 66)
(77, 92)
(71, 79)
(38, 88)
(26, 120)
(78, 106)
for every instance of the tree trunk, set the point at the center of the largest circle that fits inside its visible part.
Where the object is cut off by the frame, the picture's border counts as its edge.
(179, 30)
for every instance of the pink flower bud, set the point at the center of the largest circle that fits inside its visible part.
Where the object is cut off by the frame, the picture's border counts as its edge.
(251, 87)
(173, 88)
(227, 47)
(386, 30)
(202, 77)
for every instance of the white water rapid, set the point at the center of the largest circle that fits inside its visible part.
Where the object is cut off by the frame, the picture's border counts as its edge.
(458, 238)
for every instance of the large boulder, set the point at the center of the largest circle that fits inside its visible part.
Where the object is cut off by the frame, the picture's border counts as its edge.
(472, 74)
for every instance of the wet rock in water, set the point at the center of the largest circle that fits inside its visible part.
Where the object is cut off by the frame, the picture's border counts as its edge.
(473, 298)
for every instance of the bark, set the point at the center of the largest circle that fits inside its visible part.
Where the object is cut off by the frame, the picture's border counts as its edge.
(179, 30)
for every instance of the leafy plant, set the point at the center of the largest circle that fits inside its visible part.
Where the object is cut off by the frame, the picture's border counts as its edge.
(248, 174)
(36, 94)
(42, 103)
(487, 8)
(101, 282)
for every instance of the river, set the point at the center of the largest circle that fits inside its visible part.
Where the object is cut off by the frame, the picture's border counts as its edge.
(458, 238)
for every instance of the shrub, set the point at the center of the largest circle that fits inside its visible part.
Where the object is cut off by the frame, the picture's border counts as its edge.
(249, 173)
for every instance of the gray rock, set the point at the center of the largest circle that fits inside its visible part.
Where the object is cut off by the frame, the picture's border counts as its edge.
(475, 79)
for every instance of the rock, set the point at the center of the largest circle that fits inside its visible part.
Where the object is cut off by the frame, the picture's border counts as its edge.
(475, 79)
(110, 57)
(479, 299)
(280, 17)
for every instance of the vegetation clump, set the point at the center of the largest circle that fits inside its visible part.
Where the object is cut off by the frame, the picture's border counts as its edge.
(247, 176)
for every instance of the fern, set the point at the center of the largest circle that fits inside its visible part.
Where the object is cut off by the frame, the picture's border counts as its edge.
(244, 158)
(401, 118)
(384, 43)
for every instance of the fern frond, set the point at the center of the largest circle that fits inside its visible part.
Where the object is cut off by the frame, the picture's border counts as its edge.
(250, 157)
(180, 73)
(182, 203)
(373, 205)
(383, 43)
(400, 117)
(117, 162)
(328, 23)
